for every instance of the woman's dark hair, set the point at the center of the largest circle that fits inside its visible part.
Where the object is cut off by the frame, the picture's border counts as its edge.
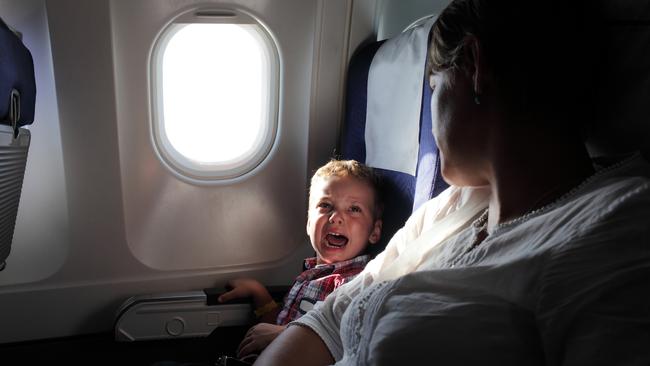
(539, 52)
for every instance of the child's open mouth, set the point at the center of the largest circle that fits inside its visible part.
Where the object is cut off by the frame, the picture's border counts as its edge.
(336, 240)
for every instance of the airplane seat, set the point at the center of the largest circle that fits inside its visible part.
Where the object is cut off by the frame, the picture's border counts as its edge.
(17, 102)
(398, 187)
(403, 192)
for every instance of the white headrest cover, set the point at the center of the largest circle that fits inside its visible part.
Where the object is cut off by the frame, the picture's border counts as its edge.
(395, 99)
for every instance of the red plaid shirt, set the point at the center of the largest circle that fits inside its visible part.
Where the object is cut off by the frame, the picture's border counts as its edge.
(315, 283)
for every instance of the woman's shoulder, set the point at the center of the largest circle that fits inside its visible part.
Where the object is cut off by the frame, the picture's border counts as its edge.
(609, 210)
(618, 185)
(631, 169)
(610, 206)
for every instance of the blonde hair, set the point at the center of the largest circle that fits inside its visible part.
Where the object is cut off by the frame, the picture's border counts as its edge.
(352, 168)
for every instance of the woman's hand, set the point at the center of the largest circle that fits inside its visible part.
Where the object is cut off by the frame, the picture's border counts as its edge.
(257, 338)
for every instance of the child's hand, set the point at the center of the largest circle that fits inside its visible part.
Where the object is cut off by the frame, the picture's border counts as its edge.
(246, 287)
(257, 338)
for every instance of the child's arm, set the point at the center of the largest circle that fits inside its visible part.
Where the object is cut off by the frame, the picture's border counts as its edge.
(265, 308)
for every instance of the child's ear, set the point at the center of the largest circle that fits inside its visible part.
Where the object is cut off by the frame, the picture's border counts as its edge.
(375, 235)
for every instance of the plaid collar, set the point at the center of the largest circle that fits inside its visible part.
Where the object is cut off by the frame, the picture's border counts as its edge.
(310, 263)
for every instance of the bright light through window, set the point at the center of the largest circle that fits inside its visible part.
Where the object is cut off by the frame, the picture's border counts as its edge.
(213, 78)
(215, 97)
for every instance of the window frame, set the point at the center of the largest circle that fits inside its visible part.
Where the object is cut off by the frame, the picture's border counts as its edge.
(234, 169)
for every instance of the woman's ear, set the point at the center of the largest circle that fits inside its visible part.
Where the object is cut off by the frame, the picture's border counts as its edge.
(375, 235)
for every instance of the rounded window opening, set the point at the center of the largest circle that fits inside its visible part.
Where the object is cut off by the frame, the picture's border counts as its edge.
(215, 88)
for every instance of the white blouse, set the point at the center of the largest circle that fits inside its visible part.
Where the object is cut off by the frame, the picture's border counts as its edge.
(567, 284)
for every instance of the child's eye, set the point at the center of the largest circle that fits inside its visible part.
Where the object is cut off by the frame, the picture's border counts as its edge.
(355, 209)
(324, 206)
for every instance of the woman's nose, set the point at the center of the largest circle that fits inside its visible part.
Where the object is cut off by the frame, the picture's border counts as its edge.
(336, 217)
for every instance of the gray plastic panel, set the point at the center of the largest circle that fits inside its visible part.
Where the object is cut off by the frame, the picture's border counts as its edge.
(175, 315)
(13, 159)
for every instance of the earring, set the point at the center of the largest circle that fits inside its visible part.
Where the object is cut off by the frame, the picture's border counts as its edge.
(477, 101)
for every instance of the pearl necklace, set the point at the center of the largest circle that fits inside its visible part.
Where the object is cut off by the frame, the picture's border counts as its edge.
(565, 196)
(480, 224)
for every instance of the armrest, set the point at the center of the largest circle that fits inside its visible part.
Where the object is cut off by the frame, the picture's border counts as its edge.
(183, 314)
(176, 315)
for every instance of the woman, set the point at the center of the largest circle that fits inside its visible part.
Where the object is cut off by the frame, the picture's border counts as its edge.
(532, 257)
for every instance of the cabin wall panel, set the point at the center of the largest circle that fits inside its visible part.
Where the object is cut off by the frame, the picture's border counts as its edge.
(175, 225)
(83, 68)
(100, 66)
(330, 62)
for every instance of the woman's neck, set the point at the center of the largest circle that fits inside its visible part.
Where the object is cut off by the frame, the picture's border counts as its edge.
(531, 174)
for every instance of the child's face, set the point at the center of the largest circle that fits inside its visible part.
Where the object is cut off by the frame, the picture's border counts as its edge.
(340, 221)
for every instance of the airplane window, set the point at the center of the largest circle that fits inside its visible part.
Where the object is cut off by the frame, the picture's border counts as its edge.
(215, 99)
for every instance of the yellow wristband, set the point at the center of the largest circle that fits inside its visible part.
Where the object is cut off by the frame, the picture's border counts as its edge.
(263, 310)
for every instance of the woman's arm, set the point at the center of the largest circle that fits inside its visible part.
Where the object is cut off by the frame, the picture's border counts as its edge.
(297, 345)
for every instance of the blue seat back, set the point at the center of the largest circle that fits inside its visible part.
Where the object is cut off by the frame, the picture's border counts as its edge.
(402, 193)
(17, 81)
